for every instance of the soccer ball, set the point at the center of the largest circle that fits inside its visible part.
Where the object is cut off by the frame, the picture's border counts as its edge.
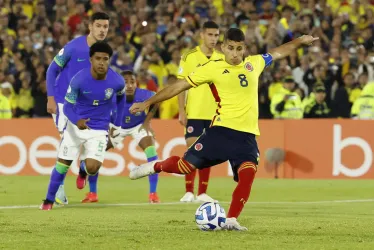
(210, 216)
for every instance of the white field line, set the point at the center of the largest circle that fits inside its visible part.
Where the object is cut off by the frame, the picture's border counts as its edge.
(182, 203)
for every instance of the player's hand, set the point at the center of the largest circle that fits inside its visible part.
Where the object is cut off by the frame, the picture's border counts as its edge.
(308, 40)
(81, 124)
(147, 128)
(183, 118)
(51, 105)
(137, 107)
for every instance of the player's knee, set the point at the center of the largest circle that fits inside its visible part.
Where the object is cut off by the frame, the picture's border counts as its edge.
(92, 167)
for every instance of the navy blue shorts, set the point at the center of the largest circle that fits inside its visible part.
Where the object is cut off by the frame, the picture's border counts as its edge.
(195, 128)
(219, 144)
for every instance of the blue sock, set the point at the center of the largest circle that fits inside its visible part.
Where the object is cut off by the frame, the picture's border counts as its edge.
(92, 180)
(82, 168)
(57, 178)
(151, 154)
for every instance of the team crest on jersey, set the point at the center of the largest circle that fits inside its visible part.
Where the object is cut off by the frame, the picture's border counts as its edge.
(108, 94)
(248, 66)
(198, 146)
(189, 129)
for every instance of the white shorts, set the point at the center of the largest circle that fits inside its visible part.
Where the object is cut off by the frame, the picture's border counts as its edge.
(94, 143)
(134, 132)
(59, 118)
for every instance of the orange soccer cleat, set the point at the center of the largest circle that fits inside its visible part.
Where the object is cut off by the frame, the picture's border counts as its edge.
(153, 198)
(90, 197)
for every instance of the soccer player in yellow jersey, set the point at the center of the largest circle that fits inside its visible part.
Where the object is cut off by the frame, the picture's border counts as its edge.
(234, 83)
(197, 112)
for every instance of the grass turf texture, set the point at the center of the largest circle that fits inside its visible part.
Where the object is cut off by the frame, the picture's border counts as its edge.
(281, 214)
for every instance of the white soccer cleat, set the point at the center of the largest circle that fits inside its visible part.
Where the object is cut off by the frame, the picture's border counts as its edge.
(232, 224)
(205, 198)
(60, 198)
(188, 197)
(143, 170)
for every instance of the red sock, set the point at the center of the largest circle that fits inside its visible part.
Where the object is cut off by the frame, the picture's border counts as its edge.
(246, 174)
(175, 165)
(190, 181)
(203, 180)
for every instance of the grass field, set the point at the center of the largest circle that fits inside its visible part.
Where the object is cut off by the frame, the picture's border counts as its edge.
(281, 214)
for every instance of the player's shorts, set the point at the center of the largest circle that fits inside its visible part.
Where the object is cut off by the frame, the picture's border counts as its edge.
(94, 143)
(133, 132)
(195, 127)
(219, 144)
(59, 118)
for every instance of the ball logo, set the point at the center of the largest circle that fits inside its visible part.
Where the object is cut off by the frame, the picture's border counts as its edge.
(190, 129)
(198, 146)
(248, 66)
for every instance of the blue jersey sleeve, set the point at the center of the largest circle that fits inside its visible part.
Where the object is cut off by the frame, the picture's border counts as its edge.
(268, 59)
(120, 103)
(64, 55)
(73, 90)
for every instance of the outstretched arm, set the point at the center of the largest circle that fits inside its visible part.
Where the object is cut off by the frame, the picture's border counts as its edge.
(166, 93)
(286, 49)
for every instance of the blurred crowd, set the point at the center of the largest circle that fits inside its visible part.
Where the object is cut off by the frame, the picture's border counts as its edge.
(149, 37)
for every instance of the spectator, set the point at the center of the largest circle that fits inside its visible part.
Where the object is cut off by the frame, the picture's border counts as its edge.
(5, 109)
(317, 106)
(286, 104)
(363, 107)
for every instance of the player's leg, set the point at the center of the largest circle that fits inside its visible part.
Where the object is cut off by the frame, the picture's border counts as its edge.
(204, 175)
(68, 151)
(60, 121)
(95, 148)
(146, 142)
(244, 164)
(203, 153)
(194, 128)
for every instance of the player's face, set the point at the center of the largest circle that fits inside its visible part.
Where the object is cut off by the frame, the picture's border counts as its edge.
(100, 62)
(234, 51)
(131, 85)
(210, 37)
(99, 29)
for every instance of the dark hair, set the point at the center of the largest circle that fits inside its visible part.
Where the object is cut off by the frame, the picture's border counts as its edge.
(127, 73)
(234, 34)
(99, 16)
(210, 25)
(101, 47)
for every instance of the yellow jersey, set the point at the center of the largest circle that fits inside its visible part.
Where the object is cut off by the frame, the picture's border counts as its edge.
(200, 103)
(235, 88)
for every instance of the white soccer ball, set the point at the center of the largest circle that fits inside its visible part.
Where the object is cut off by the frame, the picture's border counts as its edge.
(210, 216)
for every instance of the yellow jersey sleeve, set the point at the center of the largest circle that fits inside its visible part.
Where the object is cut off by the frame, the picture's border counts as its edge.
(259, 62)
(201, 75)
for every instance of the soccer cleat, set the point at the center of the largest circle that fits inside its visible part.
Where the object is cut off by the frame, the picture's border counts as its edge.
(81, 181)
(153, 198)
(143, 170)
(205, 198)
(46, 205)
(90, 197)
(232, 224)
(61, 197)
(188, 197)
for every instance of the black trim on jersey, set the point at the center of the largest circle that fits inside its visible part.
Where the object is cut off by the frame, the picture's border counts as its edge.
(184, 58)
(218, 60)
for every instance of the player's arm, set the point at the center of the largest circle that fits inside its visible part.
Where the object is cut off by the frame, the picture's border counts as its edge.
(70, 101)
(53, 71)
(202, 75)
(120, 102)
(286, 49)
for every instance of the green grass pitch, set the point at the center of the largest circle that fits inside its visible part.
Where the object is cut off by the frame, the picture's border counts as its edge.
(281, 214)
